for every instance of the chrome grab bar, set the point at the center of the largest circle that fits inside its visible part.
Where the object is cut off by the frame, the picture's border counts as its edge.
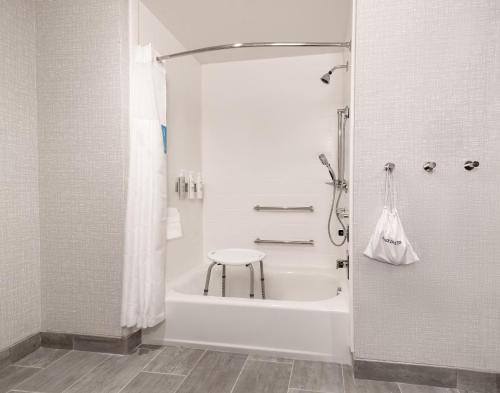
(294, 242)
(284, 208)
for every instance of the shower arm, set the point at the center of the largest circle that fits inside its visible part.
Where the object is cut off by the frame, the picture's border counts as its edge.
(346, 44)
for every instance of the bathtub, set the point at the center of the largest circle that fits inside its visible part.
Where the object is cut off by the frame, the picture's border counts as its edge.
(305, 314)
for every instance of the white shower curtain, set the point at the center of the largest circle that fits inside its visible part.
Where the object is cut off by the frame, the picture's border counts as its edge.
(146, 216)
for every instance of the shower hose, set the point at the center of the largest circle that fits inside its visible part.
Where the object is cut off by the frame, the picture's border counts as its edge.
(335, 205)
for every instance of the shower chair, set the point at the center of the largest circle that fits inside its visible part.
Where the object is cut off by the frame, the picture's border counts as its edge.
(236, 257)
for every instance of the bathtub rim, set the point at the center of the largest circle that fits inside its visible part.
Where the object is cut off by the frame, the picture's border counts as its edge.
(339, 303)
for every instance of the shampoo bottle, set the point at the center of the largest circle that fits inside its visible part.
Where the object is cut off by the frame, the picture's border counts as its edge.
(199, 187)
(191, 186)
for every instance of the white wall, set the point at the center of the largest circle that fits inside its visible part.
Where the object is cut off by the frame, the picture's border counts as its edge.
(264, 124)
(19, 211)
(184, 139)
(427, 88)
(184, 147)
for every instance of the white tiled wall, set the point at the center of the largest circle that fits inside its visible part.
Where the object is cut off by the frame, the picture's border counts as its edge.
(82, 73)
(264, 124)
(19, 212)
(427, 85)
(184, 139)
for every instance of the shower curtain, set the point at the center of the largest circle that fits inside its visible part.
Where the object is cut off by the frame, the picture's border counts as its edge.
(146, 214)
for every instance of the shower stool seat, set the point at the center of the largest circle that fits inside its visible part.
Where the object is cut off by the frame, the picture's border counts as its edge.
(236, 257)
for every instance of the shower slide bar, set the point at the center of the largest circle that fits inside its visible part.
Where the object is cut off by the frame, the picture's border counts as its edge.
(346, 44)
(284, 208)
(292, 242)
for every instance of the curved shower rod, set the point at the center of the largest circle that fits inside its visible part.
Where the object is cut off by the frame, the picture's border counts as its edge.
(346, 44)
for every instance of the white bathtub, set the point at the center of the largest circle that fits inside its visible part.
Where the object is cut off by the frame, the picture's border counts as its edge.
(301, 317)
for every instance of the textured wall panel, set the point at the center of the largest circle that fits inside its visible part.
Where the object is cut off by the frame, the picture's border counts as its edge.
(427, 88)
(82, 95)
(19, 215)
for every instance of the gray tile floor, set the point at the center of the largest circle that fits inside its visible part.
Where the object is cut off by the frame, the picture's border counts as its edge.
(182, 370)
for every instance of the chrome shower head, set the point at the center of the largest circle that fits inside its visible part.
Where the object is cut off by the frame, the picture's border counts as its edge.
(326, 78)
(325, 162)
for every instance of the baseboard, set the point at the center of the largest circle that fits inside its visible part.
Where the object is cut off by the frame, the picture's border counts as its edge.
(116, 345)
(19, 350)
(298, 355)
(446, 377)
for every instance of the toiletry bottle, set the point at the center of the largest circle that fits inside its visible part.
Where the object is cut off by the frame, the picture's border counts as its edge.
(199, 186)
(191, 186)
(182, 185)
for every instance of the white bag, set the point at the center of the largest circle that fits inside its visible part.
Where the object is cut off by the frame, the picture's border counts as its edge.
(388, 242)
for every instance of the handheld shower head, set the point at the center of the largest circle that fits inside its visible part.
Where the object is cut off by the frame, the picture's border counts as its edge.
(325, 162)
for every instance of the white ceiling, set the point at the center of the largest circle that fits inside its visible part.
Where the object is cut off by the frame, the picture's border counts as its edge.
(200, 23)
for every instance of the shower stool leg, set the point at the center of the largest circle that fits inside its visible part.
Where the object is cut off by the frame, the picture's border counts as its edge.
(262, 285)
(251, 280)
(223, 280)
(207, 281)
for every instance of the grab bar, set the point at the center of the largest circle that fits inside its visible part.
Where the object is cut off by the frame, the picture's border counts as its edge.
(294, 242)
(284, 208)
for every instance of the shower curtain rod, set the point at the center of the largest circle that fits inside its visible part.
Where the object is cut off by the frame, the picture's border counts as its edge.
(346, 44)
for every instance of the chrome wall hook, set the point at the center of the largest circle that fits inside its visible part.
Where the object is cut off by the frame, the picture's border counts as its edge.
(470, 165)
(389, 166)
(429, 166)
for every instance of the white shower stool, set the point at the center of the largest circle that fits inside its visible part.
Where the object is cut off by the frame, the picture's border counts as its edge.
(236, 257)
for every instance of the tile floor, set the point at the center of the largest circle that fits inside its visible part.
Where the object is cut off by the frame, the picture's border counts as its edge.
(169, 369)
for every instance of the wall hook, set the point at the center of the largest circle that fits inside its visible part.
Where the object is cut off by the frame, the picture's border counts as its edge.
(389, 166)
(470, 165)
(429, 166)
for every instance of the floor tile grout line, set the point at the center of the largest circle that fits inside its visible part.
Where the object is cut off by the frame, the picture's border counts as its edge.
(159, 372)
(290, 377)
(190, 371)
(17, 365)
(135, 375)
(153, 358)
(239, 375)
(269, 361)
(40, 370)
(343, 378)
(87, 373)
(48, 365)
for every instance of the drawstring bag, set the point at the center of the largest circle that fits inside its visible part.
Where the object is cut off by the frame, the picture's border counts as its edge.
(388, 242)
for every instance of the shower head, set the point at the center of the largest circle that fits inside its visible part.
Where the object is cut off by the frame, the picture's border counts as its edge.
(325, 162)
(326, 78)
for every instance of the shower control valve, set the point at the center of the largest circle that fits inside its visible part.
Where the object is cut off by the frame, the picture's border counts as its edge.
(341, 263)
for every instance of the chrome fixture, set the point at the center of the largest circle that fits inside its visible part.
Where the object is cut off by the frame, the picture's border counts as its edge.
(293, 242)
(346, 45)
(343, 212)
(470, 165)
(344, 263)
(326, 78)
(284, 208)
(429, 166)
(389, 166)
(325, 162)
(339, 184)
